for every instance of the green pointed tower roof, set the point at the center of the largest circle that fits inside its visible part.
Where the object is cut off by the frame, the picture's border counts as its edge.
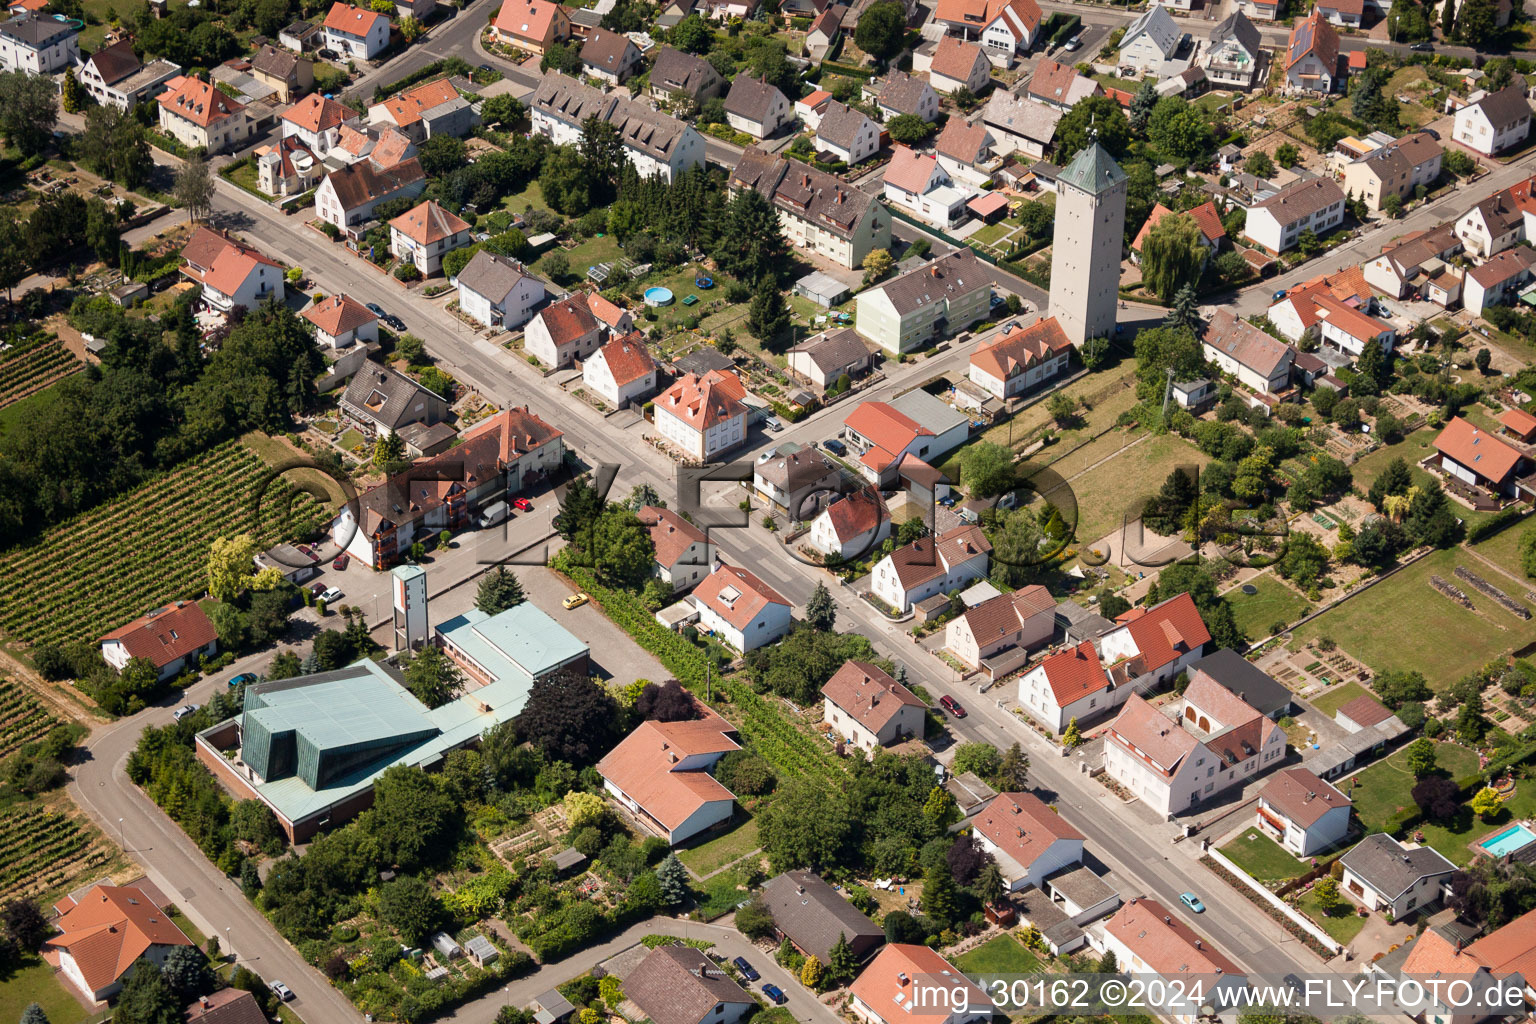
(1093, 170)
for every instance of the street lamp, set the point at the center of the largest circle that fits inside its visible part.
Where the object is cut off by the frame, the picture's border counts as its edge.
(121, 841)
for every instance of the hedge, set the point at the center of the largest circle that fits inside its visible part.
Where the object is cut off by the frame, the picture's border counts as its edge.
(1495, 524)
(448, 66)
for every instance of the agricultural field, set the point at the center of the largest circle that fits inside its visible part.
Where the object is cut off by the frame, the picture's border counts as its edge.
(22, 718)
(1369, 625)
(35, 369)
(44, 851)
(145, 548)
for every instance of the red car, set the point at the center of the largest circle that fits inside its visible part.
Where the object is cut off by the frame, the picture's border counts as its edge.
(952, 706)
(522, 504)
(340, 563)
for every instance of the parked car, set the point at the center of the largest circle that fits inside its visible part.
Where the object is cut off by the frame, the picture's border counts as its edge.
(331, 595)
(835, 446)
(485, 67)
(1423, 47)
(775, 993)
(393, 322)
(377, 310)
(283, 991)
(774, 424)
(184, 711)
(575, 601)
(243, 679)
(1278, 295)
(341, 562)
(952, 706)
(329, 54)
(1192, 901)
(745, 969)
(522, 504)
(316, 589)
(1075, 42)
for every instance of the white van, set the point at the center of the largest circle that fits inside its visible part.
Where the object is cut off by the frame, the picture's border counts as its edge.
(492, 514)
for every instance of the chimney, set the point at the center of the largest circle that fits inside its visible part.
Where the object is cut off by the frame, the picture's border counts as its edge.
(902, 980)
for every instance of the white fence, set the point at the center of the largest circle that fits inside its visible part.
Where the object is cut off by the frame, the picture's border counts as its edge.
(1275, 901)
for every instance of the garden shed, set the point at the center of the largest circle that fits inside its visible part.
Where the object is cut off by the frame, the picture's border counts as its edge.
(445, 946)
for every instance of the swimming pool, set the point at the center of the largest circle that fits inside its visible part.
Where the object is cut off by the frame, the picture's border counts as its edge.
(1508, 841)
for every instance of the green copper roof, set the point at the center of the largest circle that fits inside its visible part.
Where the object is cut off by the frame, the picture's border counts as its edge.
(1093, 170)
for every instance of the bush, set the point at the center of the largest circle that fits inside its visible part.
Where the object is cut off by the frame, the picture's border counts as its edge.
(407, 272)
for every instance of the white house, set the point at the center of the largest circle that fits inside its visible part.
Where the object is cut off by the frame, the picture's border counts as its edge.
(1303, 813)
(900, 93)
(1381, 873)
(1235, 53)
(824, 358)
(655, 143)
(1346, 329)
(563, 332)
(610, 57)
(424, 234)
(1494, 122)
(498, 291)
(1018, 622)
(929, 302)
(1260, 362)
(1296, 315)
(231, 274)
(1004, 27)
(1149, 41)
(1312, 56)
(356, 32)
(173, 638)
(741, 609)
(347, 196)
(818, 212)
(316, 121)
(622, 371)
(105, 934)
(38, 44)
(661, 773)
(1018, 124)
(1417, 264)
(1315, 205)
(1019, 359)
(846, 134)
(886, 992)
(703, 416)
(341, 320)
(684, 555)
(1029, 841)
(198, 115)
(869, 709)
(930, 566)
(1069, 684)
(114, 76)
(883, 433)
(680, 985)
(756, 107)
(1496, 281)
(850, 527)
(916, 182)
(1148, 939)
(958, 65)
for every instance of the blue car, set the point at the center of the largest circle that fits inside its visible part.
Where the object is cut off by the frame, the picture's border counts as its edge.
(745, 969)
(1278, 295)
(1192, 901)
(775, 993)
(835, 446)
(243, 679)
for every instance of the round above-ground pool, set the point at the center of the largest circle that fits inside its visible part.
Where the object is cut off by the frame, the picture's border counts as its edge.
(658, 296)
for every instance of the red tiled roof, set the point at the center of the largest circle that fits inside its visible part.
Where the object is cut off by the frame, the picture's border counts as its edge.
(406, 108)
(1301, 796)
(1074, 673)
(1006, 613)
(671, 534)
(1511, 949)
(606, 311)
(351, 20)
(1205, 215)
(1022, 826)
(524, 20)
(166, 634)
(910, 170)
(856, 514)
(428, 223)
(518, 431)
(1168, 630)
(889, 984)
(955, 58)
(884, 426)
(1009, 355)
(316, 113)
(642, 766)
(1519, 422)
(1365, 711)
(1477, 450)
(199, 102)
(1164, 942)
(918, 562)
(736, 595)
(867, 694)
(339, 314)
(1142, 726)
(568, 319)
(628, 359)
(702, 402)
(110, 928)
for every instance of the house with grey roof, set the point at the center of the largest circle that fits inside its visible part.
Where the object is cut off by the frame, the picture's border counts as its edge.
(498, 291)
(680, 985)
(39, 45)
(677, 73)
(900, 93)
(756, 107)
(1384, 874)
(1490, 124)
(1150, 40)
(813, 916)
(1258, 689)
(1258, 360)
(382, 400)
(818, 212)
(929, 302)
(795, 480)
(610, 56)
(825, 357)
(845, 134)
(655, 143)
(114, 76)
(1234, 57)
(1019, 124)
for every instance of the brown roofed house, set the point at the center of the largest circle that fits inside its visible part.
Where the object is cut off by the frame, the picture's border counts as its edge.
(680, 985)
(813, 916)
(172, 638)
(869, 709)
(104, 935)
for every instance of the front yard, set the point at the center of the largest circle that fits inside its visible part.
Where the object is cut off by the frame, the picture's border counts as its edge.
(1262, 857)
(725, 849)
(1002, 955)
(1344, 924)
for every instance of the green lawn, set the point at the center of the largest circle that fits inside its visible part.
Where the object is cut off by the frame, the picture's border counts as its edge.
(1124, 478)
(1384, 790)
(723, 850)
(1369, 625)
(37, 983)
(721, 893)
(1343, 926)
(1002, 955)
(1262, 857)
(1276, 601)
(33, 405)
(1337, 697)
(595, 250)
(1502, 548)
(1412, 448)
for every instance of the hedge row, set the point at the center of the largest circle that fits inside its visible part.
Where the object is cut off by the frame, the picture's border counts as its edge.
(1495, 524)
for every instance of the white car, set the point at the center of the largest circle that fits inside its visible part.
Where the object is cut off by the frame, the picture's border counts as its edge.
(184, 711)
(330, 595)
(283, 991)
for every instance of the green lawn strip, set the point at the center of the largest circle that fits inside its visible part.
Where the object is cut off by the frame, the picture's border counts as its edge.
(1276, 601)
(1337, 697)
(1343, 926)
(1502, 548)
(1385, 790)
(1369, 625)
(1002, 955)
(720, 894)
(36, 982)
(1412, 448)
(1262, 857)
(33, 405)
(723, 850)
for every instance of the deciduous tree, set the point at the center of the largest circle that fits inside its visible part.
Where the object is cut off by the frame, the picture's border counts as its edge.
(194, 187)
(1172, 255)
(569, 717)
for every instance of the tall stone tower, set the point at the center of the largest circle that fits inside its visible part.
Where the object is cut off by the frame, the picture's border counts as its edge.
(1085, 253)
